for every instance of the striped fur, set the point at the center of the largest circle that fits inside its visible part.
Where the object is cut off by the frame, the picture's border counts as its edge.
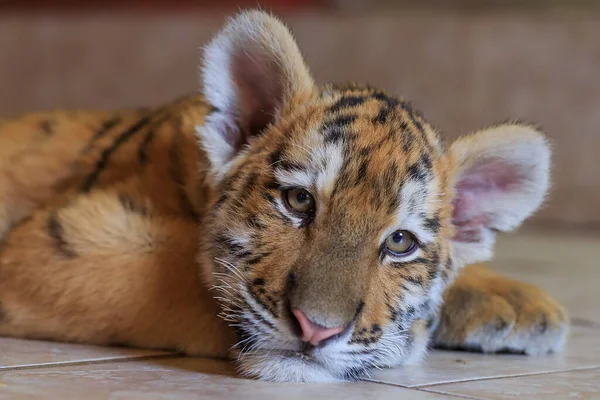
(138, 227)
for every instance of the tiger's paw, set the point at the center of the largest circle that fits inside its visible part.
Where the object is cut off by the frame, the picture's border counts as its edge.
(486, 312)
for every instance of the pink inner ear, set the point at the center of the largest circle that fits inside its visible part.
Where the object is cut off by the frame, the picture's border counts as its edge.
(477, 185)
(259, 86)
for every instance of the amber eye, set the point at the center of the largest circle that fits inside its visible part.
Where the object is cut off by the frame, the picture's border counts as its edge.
(300, 200)
(400, 243)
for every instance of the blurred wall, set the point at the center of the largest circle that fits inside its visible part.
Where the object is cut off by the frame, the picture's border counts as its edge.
(464, 69)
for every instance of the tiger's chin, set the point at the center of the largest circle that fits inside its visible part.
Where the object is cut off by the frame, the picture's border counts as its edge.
(300, 366)
(287, 366)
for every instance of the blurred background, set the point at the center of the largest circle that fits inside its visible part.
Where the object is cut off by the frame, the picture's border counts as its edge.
(464, 63)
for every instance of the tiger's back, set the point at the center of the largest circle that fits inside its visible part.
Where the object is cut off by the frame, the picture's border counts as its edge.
(101, 230)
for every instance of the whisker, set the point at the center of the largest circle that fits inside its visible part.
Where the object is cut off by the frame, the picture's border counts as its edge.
(232, 268)
(307, 149)
(275, 162)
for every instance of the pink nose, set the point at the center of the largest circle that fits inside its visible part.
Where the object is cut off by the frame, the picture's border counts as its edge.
(312, 332)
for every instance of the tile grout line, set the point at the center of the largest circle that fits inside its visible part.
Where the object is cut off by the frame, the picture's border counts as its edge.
(443, 392)
(385, 383)
(86, 362)
(466, 380)
(585, 323)
(424, 390)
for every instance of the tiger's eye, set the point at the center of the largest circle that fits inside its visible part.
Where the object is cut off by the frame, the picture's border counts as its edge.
(300, 200)
(400, 243)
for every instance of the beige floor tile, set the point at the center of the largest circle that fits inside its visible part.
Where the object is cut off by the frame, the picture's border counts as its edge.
(176, 379)
(17, 353)
(582, 384)
(567, 266)
(449, 366)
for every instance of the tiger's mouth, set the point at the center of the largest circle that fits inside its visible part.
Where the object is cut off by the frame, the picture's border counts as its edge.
(299, 366)
(302, 355)
(305, 352)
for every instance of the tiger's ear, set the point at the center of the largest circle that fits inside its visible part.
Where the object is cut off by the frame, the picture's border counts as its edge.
(502, 176)
(252, 71)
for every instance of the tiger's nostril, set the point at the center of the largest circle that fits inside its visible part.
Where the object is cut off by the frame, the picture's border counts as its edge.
(311, 332)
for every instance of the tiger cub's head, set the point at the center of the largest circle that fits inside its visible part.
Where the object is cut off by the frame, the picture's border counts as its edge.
(341, 215)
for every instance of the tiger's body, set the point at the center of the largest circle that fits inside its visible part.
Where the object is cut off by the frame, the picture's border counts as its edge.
(114, 226)
(86, 170)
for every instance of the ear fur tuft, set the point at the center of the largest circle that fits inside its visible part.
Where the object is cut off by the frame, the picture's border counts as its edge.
(502, 177)
(252, 71)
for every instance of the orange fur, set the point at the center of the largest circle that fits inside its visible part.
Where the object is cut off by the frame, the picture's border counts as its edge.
(507, 312)
(122, 269)
(115, 225)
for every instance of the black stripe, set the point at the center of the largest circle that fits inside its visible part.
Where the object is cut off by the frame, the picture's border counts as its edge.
(102, 131)
(47, 127)
(413, 114)
(290, 166)
(343, 120)
(361, 174)
(257, 259)
(178, 175)
(243, 254)
(262, 301)
(143, 149)
(360, 352)
(407, 106)
(253, 221)
(225, 242)
(346, 102)
(269, 197)
(416, 173)
(220, 201)
(258, 282)
(275, 156)
(407, 137)
(390, 176)
(242, 335)
(426, 162)
(259, 317)
(130, 205)
(105, 156)
(432, 224)
(278, 162)
(433, 265)
(409, 313)
(272, 185)
(382, 117)
(393, 312)
(281, 216)
(247, 187)
(415, 279)
(389, 104)
(56, 232)
(333, 134)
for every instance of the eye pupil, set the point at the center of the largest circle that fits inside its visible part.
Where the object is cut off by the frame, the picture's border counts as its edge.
(398, 237)
(302, 197)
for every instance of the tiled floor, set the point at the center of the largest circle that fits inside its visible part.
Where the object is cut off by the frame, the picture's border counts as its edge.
(567, 265)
